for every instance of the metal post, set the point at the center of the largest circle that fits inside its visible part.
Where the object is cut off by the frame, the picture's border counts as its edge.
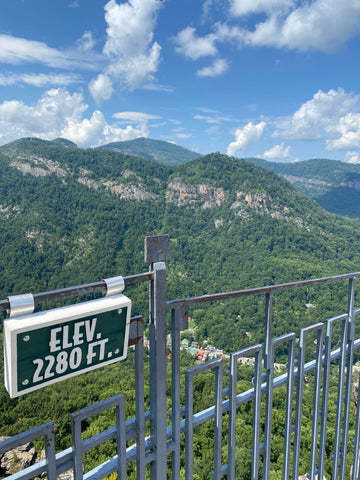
(175, 377)
(140, 414)
(234, 358)
(290, 338)
(326, 380)
(316, 407)
(355, 464)
(269, 366)
(348, 385)
(340, 400)
(156, 252)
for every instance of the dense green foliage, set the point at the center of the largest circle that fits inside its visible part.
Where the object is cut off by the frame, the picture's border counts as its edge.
(232, 225)
(156, 150)
(333, 184)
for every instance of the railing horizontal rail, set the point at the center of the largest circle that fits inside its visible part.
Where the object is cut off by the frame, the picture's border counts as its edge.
(64, 458)
(156, 447)
(71, 292)
(186, 302)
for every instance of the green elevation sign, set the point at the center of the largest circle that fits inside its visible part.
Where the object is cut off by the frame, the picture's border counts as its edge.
(47, 347)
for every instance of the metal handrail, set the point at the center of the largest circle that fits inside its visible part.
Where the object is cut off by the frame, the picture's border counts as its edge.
(186, 302)
(86, 289)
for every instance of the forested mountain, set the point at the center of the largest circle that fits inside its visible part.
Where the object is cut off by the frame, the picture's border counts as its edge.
(156, 150)
(70, 216)
(333, 184)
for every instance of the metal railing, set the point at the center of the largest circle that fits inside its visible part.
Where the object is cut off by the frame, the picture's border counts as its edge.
(162, 444)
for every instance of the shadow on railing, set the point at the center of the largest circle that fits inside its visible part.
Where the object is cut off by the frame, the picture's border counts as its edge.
(162, 446)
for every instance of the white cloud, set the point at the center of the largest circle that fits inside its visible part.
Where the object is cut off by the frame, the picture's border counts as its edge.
(174, 121)
(352, 157)
(134, 57)
(45, 119)
(188, 44)
(16, 51)
(206, 8)
(183, 135)
(332, 117)
(135, 116)
(245, 7)
(277, 152)
(244, 136)
(157, 87)
(101, 88)
(85, 131)
(60, 113)
(318, 115)
(215, 118)
(218, 67)
(322, 25)
(206, 110)
(346, 133)
(86, 42)
(40, 79)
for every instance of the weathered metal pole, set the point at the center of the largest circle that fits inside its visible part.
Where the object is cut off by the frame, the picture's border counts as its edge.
(157, 251)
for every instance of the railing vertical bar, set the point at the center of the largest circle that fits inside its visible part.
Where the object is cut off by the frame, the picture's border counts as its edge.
(326, 385)
(158, 374)
(215, 364)
(269, 366)
(289, 407)
(268, 351)
(121, 439)
(340, 400)
(46, 431)
(175, 375)
(49, 438)
(348, 386)
(316, 409)
(256, 416)
(298, 406)
(77, 447)
(218, 421)
(232, 414)
(189, 427)
(355, 465)
(139, 400)
(268, 421)
(234, 358)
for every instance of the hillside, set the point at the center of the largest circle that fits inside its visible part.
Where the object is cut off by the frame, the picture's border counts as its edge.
(156, 150)
(70, 216)
(333, 184)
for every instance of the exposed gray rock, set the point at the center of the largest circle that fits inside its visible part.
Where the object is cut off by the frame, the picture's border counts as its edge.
(206, 195)
(17, 459)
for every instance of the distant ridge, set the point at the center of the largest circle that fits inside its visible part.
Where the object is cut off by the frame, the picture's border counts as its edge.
(64, 142)
(333, 184)
(156, 150)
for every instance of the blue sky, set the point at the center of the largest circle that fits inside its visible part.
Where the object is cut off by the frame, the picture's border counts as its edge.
(278, 79)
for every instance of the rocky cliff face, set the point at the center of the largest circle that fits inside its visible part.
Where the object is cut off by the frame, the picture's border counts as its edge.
(205, 195)
(24, 456)
(17, 459)
(38, 166)
(355, 184)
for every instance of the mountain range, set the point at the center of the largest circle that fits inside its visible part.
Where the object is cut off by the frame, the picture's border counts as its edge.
(70, 216)
(332, 184)
(156, 150)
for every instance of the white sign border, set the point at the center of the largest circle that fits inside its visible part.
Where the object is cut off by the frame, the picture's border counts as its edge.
(17, 325)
